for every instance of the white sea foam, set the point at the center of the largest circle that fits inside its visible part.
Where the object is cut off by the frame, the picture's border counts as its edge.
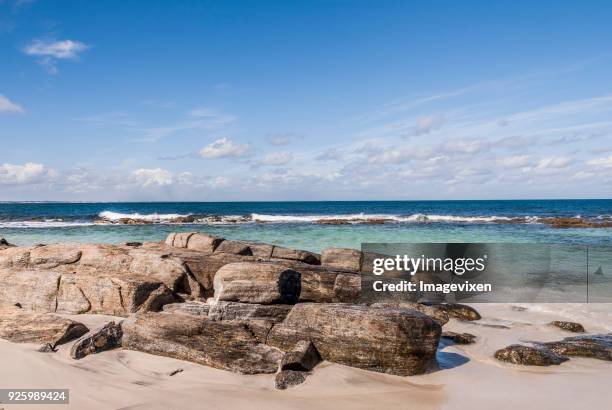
(362, 217)
(52, 223)
(116, 216)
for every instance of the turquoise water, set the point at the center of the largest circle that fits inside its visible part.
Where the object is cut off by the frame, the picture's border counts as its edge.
(295, 224)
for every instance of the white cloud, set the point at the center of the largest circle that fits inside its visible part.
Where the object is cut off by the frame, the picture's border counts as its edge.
(515, 161)
(50, 51)
(276, 158)
(29, 173)
(225, 148)
(553, 162)
(605, 162)
(7, 106)
(151, 177)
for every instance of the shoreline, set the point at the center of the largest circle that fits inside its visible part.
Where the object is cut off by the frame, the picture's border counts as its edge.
(469, 377)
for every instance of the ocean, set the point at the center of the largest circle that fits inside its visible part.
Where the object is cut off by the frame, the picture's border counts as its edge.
(309, 225)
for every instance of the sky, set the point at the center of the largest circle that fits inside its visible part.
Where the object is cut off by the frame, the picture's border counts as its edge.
(304, 100)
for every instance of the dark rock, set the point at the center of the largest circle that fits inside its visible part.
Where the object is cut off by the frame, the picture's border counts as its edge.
(459, 338)
(457, 311)
(593, 346)
(288, 378)
(252, 282)
(47, 348)
(175, 372)
(569, 326)
(530, 356)
(226, 345)
(4, 244)
(389, 340)
(134, 244)
(106, 338)
(303, 357)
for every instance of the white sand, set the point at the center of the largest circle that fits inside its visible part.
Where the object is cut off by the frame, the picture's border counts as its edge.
(470, 377)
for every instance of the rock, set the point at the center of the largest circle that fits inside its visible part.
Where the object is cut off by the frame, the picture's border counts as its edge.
(20, 326)
(234, 247)
(342, 259)
(106, 338)
(170, 239)
(133, 244)
(288, 378)
(438, 314)
(31, 290)
(304, 357)
(459, 338)
(296, 255)
(530, 356)
(4, 244)
(248, 311)
(324, 285)
(175, 372)
(389, 340)
(224, 345)
(47, 348)
(593, 346)
(458, 311)
(188, 308)
(181, 239)
(252, 282)
(575, 222)
(205, 267)
(204, 243)
(261, 250)
(569, 326)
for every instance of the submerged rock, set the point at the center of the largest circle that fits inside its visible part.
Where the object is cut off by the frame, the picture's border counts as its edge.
(226, 345)
(388, 340)
(593, 346)
(106, 338)
(530, 356)
(288, 378)
(569, 326)
(459, 338)
(458, 311)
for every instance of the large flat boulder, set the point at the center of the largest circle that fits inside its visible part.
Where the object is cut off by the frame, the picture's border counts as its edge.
(248, 311)
(257, 282)
(224, 345)
(388, 340)
(342, 259)
(23, 326)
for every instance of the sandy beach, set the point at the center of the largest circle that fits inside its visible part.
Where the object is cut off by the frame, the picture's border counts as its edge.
(469, 376)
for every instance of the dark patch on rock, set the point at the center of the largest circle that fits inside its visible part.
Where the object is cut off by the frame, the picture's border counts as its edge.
(106, 338)
(288, 378)
(569, 326)
(529, 356)
(459, 338)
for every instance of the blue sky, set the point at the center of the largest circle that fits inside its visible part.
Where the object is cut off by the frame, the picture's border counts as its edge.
(295, 100)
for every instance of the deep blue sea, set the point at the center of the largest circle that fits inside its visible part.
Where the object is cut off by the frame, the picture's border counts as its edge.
(298, 224)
